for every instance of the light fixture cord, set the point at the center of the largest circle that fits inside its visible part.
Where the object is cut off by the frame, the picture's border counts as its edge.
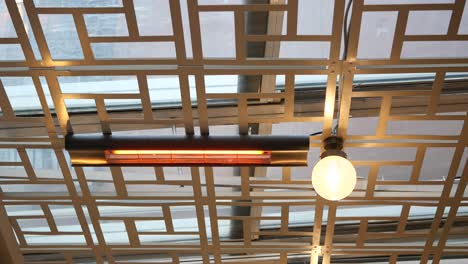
(346, 25)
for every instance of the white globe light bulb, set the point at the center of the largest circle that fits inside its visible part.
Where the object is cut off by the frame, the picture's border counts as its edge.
(334, 178)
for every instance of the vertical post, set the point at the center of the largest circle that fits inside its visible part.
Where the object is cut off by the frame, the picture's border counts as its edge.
(9, 249)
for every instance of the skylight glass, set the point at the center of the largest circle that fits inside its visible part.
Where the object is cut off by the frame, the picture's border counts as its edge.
(143, 67)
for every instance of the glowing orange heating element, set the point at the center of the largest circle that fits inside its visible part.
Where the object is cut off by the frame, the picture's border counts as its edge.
(189, 152)
(188, 156)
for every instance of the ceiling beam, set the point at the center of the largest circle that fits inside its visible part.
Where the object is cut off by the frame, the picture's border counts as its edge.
(9, 249)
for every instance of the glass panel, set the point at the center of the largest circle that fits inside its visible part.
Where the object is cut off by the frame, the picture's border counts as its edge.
(425, 127)
(393, 78)
(369, 211)
(6, 30)
(405, 2)
(8, 155)
(21, 93)
(134, 50)
(65, 218)
(138, 174)
(131, 211)
(98, 84)
(186, 28)
(218, 34)
(222, 2)
(153, 17)
(55, 239)
(434, 49)
(182, 218)
(165, 89)
(463, 161)
(122, 104)
(315, 17)
(296, 128)
(11, 52)
(389, 154)
(26, 210)
(61, 36)
(37, 225)
(376, 36)
(114, 231)
(436, 163)
(45, 164)
(463, 29)
(428, 22)
(29, 31)
(17, 172)
(149, 239)
(106, 25)
(308, 80)
(362, 126)
(221, 83)
(77, 3)
(150, 226)
(52, 189)
(304, 50)
(395, 173)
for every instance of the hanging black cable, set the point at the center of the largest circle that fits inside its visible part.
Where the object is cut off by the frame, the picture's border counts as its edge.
(346, 29)
(344, 57)
(316, 133)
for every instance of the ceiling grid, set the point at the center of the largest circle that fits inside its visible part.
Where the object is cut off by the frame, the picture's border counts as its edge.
(267, 107)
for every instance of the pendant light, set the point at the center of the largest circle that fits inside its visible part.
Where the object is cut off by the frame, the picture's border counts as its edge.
(334, 177)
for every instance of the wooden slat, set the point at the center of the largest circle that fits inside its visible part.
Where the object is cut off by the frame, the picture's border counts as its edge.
(33, 17)
(27, 164)
(421, 152)
(7, 109)
(446, 191)
(168, 219)
(119, 182)
(97, 39)
(79, 10)
(293, 7)
(210, 188)
(241, 44)
(362, 233)
(411, 7)
(385, 108)
(436, 91)
(145, 97)
(100, 249)
(403, 219)
(202, 105)
(9, 249)
(131, 19)
(132, 232)
(83, 36)
(186, 104)
(242, 8)
(102, 114)
(197, 191)
(268, 107)
(177, 28)
(327, 248)
(400, 30)
(23, 38)
(372, 178)
(314, 256)
(195, 33)
(456, 18)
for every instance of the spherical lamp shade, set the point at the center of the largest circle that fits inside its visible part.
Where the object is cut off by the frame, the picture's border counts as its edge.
(334, 178)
